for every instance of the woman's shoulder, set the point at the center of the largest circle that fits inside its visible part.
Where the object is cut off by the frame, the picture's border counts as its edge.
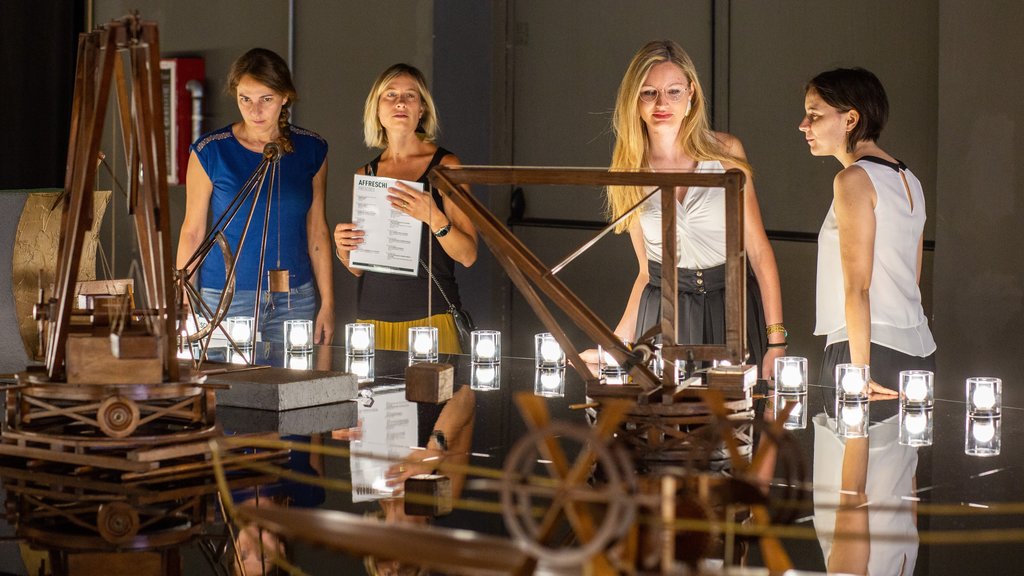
(220, 134)
(729, 144)
(301, 132)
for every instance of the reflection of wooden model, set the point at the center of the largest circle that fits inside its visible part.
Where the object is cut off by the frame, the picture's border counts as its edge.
(111, 378)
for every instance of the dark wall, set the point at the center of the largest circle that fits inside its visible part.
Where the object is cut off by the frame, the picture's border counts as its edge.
(39, 42)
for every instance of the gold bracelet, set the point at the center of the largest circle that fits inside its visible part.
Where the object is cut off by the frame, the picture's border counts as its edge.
(776, 328)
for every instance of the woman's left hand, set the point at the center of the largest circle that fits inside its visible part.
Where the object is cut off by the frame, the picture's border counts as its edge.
(424, 461)
(323, 331)
(878, 392)
(408, 200)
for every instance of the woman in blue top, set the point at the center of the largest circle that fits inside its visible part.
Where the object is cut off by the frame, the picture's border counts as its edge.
(298, 239)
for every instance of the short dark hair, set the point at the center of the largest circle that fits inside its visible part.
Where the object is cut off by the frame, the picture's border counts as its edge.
(857, 89)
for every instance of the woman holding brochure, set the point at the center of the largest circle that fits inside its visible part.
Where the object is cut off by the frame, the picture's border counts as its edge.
(399, 116)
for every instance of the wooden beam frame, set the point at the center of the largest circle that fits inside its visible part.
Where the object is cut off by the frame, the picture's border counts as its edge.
(528, 272)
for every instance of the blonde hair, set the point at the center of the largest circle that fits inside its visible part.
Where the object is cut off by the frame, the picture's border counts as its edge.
(631, 139)
(374, 134)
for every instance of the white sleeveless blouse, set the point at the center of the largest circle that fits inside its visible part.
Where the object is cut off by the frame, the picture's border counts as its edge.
(897, 318)
(700, 224)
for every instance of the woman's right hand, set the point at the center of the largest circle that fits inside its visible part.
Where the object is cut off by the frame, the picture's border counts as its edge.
(346, 238)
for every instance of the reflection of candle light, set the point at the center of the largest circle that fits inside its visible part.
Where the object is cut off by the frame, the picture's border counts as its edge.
(984, 398)
(798, 407)
(421, 345)
(853, 416)
(360, 339)
(853, 383)
(550, 380)
(361, 368)
(298, 362)
(485, 375)
(983, 431)
(550, 351)
(485, 349)
(916, 389)
(915, 422)
(790, 377)
(609, 360)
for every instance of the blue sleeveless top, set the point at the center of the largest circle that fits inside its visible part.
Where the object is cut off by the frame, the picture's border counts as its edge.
(229, 165)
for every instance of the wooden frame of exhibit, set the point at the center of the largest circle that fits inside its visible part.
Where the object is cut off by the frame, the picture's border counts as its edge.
(530, 274)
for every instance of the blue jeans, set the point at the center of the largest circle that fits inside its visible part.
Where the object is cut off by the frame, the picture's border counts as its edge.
(297, 304)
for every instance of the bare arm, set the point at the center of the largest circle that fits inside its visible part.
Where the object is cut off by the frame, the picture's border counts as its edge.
(626, 327)
(851, 548)
(198, 190)
(762, 260)
(319, 241)
(855, 200)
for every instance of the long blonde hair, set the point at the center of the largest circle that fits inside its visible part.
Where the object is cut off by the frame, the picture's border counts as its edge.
(631, 139)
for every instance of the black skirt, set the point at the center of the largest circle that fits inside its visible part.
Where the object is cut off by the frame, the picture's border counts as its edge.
(701, 309)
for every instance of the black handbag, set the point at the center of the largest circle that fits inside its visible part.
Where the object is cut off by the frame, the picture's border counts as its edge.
(463, 321)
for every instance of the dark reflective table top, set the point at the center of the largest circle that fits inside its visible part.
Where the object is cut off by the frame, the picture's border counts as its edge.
(934, 508)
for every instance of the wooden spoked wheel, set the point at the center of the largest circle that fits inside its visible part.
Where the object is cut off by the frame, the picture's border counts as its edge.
(118, 417)
(560, 513)
(117, 522)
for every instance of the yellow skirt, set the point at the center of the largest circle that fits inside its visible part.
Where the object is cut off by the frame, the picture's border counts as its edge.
(395, 335)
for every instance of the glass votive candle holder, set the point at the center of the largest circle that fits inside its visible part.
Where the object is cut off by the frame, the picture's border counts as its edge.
(485, 377)
(983, 436)
(852, 381)
(917, 388)
(298, 335)
(549, 382)
(362, 366)
(984, 396)
(853, 418)
(916, 426)
(797, 419)
(791, 375)
(359, 339)
(611, 372)
(547, 351)
(240, 328)
(485, 346)
(298, 360)
(422, 344)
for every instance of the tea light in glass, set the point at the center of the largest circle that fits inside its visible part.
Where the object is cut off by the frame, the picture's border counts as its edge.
(983, 436)
(359, 339)
(797, 419)
(852, 381)
(485, 346)
(422, 344)
(240, 328)
(984, 396)
(549, 382)
(547, 351)
(298, 335)
(791, 374)
(485, 377)
(917, 388)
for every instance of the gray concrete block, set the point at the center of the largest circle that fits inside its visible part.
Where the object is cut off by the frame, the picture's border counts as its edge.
(301, 421)
(283, 389)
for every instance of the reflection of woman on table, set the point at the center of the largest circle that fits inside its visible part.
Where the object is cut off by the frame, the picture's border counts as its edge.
(661, 124)
(400, 117)
(865, 512)
(449, 444)
(298, 239)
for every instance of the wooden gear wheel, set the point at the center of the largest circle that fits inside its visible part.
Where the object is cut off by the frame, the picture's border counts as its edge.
(118, 417)
(117, 522)
(550, 508)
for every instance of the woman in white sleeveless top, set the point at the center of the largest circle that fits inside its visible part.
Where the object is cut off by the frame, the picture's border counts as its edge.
(869, 247)
(661, 124)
